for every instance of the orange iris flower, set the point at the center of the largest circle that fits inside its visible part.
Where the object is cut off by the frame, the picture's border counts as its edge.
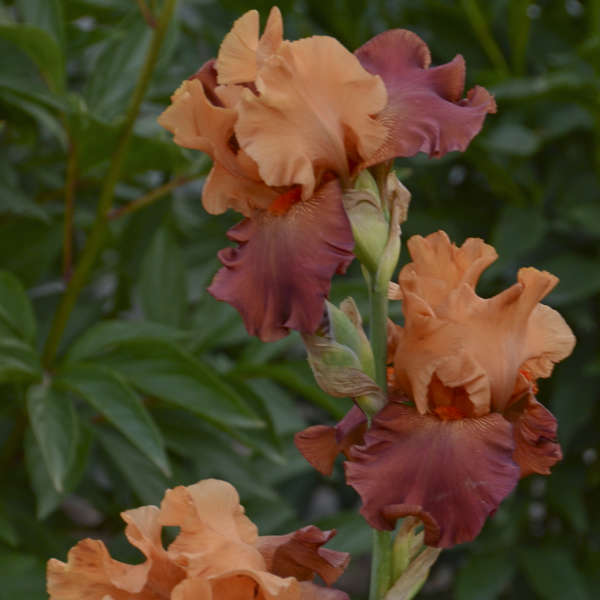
(288, 126)
(462, 423)
(217, 555)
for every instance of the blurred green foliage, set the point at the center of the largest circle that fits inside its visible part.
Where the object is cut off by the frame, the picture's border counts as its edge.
(156, 384)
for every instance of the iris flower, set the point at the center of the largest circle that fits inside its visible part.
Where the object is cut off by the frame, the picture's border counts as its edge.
(217, 554)
(462, 424)
(288, 126)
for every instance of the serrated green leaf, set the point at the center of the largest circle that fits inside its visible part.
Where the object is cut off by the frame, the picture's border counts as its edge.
(18, 361)
(15, 307)
(162, 286)
(42, 48)
(145, 479)
(55, 426)
(483, 577)
(552, 573)
(106, 335)
(110, 395)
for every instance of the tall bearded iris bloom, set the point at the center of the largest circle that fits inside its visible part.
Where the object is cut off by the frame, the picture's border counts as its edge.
(288, 126)
(217, 555)
(462, 423)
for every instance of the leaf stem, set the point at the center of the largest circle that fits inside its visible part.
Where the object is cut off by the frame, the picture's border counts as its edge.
(151, 196)
(96, 238)
(381, 562)
(147, 13)
(70, 184)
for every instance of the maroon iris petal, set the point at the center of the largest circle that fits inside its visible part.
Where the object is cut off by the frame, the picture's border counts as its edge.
(320, 444)
(299, 554)
(425, 112)
(207, 74)
(451, 474)
(535, 435)
(281, 272)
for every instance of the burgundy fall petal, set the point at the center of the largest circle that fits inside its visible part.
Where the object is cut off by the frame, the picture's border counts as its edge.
(451, 474)
(320, 444)
(207, 74)
(280, 275)
(299, 554)
(535, 435)
(425, 112)
(310, 591)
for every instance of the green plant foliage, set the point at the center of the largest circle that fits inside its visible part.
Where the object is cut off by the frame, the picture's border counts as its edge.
(155, 384)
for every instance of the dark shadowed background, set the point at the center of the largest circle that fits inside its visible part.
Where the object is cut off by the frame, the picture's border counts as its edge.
(156, 384)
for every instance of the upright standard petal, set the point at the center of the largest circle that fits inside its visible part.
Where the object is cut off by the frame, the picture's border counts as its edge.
(242, 53)
(214, 531)
(476, 347)
(281, 272)
(425, 112)
(452, 474)
(314, 112)
(299, 554)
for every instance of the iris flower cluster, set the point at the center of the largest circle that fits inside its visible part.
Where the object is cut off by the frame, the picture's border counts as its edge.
(291, 128)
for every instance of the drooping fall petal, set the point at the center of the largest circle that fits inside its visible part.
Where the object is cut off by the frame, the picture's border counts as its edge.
(535, 436)
(242, 53)
(425, 110)
(314, 111)
(451, 473)
(320, 444)
(281, 272)
(299, 554)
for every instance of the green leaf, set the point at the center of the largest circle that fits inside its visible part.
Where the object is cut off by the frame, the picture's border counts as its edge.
(104, 389)
(55, 426)
(8, 533)
(145, 479)
(18, 361)
(483, 577)
(45, 14)
(163, 371)
(117, 68)
(22, 576)
(513, 138)
(162, 287)
(15, 308)
(106, 335)
(12, 200)
(42, 48)
(47, 498)
(552, 573)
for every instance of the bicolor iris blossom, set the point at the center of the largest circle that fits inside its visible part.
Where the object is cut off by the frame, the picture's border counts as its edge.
(288, 126)
(462, 424)
(217, 554)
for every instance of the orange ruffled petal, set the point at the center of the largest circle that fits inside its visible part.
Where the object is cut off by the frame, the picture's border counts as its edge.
(242, 53)
(314, 112)
(469, 343)
(217, 554)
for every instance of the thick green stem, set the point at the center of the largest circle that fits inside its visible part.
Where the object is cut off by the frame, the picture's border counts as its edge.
(98, 232)
(381, 562)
